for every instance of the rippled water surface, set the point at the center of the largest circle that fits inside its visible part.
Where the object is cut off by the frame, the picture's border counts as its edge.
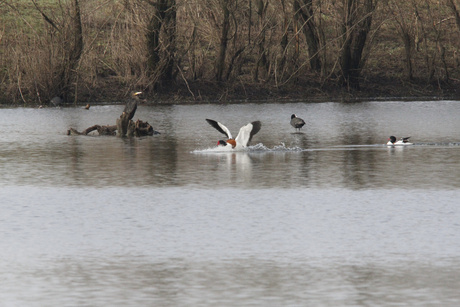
(328, 216)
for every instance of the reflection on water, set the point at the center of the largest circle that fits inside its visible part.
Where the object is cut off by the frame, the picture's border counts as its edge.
(325, 217)
(109, 161)
(340, 146)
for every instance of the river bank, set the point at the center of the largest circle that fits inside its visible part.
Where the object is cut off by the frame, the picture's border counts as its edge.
(206, 92)
(112, 92)
(377, 89)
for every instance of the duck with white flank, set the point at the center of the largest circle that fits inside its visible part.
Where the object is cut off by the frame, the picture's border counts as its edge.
(297, 122)
(402, 141)
(242, 139)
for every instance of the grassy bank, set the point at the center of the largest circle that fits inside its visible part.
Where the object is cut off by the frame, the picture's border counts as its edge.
(216, 50)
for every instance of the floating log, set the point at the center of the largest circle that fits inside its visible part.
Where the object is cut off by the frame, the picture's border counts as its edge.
(102, 130)
(124, 125)
(143, 128)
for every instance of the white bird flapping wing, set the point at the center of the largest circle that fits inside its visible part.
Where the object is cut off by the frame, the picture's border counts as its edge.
(220, 127)
(247, 132)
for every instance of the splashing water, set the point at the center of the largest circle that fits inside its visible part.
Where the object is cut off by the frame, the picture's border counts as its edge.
(254, 148)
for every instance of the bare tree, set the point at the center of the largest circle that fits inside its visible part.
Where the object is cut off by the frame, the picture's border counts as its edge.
(86, 48)
(71, 39)
(161, 39)
(303, 12)
(262, 61)
(402, 15)
(224, 38)
(455, 10)
(356, 25)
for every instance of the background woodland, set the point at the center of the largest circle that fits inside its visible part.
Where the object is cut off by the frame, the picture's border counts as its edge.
(201, 50)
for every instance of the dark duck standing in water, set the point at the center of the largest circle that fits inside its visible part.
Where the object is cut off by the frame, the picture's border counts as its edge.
(297, 122)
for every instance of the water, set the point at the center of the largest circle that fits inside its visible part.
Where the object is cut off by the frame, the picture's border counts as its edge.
(326, 217)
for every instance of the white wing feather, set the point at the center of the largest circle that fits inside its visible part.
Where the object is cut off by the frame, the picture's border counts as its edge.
(229, 134)
(219, 127)
(243, 136)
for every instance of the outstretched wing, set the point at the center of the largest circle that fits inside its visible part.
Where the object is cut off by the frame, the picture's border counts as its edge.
(220, 127)
(247, 132)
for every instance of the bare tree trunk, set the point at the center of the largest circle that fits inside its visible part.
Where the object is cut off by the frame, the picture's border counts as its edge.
(153, 42)
(284, 38)
(355, 28)
(77, 50)
(161, 40)
(72, 53)
(304, 14)
(442, 51)
(249, 21)
(408, 52)
(170, 31)
(399, 12)
(262, 53)
(432, 53)
(454, 9)
(220, 65)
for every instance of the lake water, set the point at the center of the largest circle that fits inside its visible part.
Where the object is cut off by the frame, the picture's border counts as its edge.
(325, 217)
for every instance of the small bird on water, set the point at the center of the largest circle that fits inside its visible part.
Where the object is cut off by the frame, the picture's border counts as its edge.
(402, 141)
(297, 122)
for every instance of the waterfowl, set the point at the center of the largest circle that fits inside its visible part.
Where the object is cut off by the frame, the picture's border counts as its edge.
(131, 105)
(136, 97)
(56, 101)
(402, 141)
(297, 122)
(242, 139)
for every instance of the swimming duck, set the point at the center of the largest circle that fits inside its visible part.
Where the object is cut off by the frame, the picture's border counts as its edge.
(297, 122)
(242, 139)
(402, 141)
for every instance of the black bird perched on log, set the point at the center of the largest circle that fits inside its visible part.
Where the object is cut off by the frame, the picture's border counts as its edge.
(131, 106)
(297, 122)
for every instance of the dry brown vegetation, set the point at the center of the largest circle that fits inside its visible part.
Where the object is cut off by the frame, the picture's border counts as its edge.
(180, 50)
